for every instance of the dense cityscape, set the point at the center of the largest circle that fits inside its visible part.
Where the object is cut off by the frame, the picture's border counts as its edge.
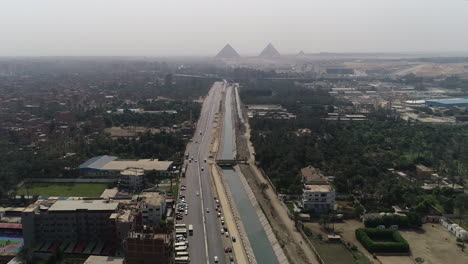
(284, 154)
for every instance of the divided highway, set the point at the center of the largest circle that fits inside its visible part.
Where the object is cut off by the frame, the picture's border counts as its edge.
(207, 241)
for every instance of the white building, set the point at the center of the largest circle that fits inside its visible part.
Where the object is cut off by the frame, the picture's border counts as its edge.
(317, 195)
(318, 198)
(132, 179)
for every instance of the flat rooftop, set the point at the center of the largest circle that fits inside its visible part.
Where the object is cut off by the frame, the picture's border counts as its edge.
(450, 101)
(90, 205)
(145, 164)
(317, 188)
(153, 198)
(103, 260)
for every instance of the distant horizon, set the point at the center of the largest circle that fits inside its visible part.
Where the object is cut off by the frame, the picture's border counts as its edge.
(253, 55)
(201, 28)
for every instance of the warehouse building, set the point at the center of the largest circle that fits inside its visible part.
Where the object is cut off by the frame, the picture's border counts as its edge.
(452, 102)
(113, 166)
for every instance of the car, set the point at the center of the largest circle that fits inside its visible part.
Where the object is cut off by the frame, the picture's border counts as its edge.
(233, 239)
(222, 222)
(226, 249)
(198, 193)
(222, 218)
(225, 229)
(186, 212)
(222, 231)
(202, 169)
(219, 214)
(227, 234)
(196, 160)
(205, 160)
(196, 141)
(216, 259)
(207, 210)
(201, 133)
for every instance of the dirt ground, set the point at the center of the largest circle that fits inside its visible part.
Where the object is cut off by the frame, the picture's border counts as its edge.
(435, 245)
(396, 260)
(346, 230)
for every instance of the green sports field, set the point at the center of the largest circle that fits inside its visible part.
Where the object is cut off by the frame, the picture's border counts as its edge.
(63, 189)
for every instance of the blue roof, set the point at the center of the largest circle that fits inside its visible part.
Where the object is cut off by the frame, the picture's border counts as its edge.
(451, 101)
(97, 162)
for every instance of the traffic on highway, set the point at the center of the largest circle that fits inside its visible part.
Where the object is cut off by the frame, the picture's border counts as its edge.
(198, 209)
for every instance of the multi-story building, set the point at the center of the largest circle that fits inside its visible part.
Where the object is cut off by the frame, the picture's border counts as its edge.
(86, 221)
(148, 247)
(152, 207)
(132, 179)
(317, 196)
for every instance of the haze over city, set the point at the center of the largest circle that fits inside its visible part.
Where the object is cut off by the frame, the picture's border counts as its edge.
(201, 28)
(234, 132)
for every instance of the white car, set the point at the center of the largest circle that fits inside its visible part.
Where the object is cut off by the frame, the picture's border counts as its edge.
(186, 212)
(222, 231)
(207, 210)
(198, 193)
(216, 259)
(227, 234)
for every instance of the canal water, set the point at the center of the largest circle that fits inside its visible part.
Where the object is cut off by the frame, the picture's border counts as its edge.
(256, 233)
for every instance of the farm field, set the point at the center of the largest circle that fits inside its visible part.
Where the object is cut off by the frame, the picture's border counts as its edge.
(63, 189)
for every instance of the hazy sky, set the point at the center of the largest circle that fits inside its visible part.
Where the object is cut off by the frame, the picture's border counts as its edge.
(202, 27)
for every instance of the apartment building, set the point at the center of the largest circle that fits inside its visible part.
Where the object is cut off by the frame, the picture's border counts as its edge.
(132, 179)
(148, 247)
(317, 196)
(68, 220)
(152, 207)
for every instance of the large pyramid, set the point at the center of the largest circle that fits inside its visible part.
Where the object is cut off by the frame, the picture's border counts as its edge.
(228, 52)
(269, 52)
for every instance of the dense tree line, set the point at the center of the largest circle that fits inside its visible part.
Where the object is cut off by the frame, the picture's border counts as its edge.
(358, 154)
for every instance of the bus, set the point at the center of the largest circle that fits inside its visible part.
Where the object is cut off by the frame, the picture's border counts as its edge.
(182, 254)
(190, 230)
(182, 248)
(182, 260)
(181, 231)
(181, 244)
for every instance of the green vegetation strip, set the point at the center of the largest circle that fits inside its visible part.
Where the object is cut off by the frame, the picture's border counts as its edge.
(394, 242)
(63, 189)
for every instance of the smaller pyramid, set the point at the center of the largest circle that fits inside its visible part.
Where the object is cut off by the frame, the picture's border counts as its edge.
(269, 52)
(228, 52)
(301, 53)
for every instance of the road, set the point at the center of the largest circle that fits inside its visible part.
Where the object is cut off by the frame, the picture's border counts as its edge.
(206, 241)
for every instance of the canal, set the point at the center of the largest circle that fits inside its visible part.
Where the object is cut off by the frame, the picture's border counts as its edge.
(256, 233)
